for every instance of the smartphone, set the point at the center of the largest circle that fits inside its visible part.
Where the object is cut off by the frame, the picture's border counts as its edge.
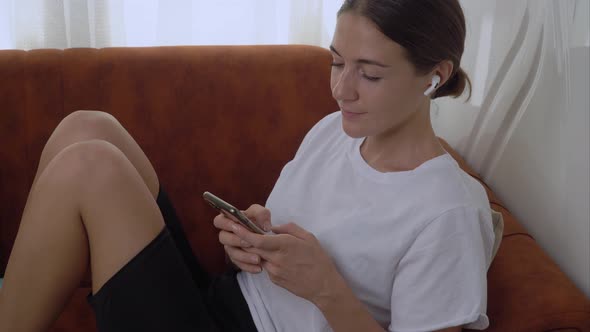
(231, 212)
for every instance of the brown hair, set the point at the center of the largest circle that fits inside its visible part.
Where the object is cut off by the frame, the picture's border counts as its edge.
(431, 31)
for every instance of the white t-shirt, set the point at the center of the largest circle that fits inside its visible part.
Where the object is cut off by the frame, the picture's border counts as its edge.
(414, 246)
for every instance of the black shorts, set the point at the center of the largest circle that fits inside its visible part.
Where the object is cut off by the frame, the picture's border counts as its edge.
(164, 288)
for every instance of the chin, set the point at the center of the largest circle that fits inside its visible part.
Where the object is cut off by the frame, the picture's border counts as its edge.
(353, 130)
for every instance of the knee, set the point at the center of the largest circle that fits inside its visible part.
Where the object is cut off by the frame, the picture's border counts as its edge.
(86, 162)
(90, 123)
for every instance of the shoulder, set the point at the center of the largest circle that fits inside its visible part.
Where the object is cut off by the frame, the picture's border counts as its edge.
(456, 204)
(444, 185)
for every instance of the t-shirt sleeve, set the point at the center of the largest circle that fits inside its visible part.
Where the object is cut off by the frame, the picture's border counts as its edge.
(441, 280)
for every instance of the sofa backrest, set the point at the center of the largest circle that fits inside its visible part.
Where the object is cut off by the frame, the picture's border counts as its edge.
(223, 119)
(226, 119)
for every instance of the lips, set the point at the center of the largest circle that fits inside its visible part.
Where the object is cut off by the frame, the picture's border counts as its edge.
(352, 112)
(351, 116)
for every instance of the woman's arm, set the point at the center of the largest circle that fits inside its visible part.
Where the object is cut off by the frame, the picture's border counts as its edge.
(344, 312)
(295, 260)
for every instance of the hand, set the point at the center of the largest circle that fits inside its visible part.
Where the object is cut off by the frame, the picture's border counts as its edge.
(234, 246)
(294, 260)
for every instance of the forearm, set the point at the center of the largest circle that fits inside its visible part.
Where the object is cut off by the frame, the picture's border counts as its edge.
(344, 312)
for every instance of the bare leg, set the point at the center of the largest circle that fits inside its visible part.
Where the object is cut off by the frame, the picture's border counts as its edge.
(86, 125)
(91, 206)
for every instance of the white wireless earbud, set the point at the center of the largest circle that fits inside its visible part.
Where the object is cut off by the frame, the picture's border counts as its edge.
(433, 86)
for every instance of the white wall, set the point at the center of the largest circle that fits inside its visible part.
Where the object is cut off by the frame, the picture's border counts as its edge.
(528, 131)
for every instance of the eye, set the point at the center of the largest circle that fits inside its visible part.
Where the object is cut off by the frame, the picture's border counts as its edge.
(371, 78)
(334, 64)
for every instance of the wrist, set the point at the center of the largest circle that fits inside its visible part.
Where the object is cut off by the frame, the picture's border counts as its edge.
(335, 291)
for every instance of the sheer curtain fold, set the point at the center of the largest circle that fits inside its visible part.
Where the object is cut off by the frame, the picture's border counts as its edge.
(28, 24)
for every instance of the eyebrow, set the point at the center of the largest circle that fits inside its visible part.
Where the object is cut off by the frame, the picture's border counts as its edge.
(365, 61)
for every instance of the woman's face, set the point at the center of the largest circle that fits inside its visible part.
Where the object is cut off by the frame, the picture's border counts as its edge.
(375, 86)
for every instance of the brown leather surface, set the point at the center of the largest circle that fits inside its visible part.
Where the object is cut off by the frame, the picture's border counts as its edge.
(14, 178)
(224, 119)
(528, 292)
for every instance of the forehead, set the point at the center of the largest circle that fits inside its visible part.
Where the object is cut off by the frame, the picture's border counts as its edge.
(356, 36)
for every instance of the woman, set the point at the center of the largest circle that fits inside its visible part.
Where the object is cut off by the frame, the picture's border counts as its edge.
(375, 226)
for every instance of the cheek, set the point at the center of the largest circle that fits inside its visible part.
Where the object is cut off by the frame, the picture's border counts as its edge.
(332, 81)
(379, 96)
(335, 76)
(390, 102)
(393, 94)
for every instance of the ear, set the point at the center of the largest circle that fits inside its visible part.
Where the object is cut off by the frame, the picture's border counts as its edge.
(444, 70)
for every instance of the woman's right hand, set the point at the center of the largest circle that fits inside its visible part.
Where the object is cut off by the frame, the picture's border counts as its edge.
(234, 246)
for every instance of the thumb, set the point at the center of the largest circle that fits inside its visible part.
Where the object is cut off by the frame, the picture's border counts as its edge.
(259, 215)
(292, 229)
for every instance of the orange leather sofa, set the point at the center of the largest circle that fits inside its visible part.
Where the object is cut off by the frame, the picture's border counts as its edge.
(224, 119)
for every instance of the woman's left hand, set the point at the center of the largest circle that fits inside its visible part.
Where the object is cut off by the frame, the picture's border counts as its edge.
(294, 260)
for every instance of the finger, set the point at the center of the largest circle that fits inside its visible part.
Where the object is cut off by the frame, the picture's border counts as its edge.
(292, 229)
(265, 242)
(260, 215)
(264, 254)
(230, 239)
(223, 223)
(248, 267)
(274, 273)
(239, 255)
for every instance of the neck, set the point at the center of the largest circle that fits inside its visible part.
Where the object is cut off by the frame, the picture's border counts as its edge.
(404, 147)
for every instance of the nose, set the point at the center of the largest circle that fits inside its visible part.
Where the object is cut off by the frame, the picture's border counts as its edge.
(344, 85)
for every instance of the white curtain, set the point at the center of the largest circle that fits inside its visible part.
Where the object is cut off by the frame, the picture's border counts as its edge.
(507, 48)
(527, 128)
(28, 24)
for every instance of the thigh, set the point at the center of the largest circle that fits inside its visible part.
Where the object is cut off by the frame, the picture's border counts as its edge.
(139, 279)
(117, 209)
(88, 202)
(200, 276)
(222, 294)
(227, 305)
(153, 292)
